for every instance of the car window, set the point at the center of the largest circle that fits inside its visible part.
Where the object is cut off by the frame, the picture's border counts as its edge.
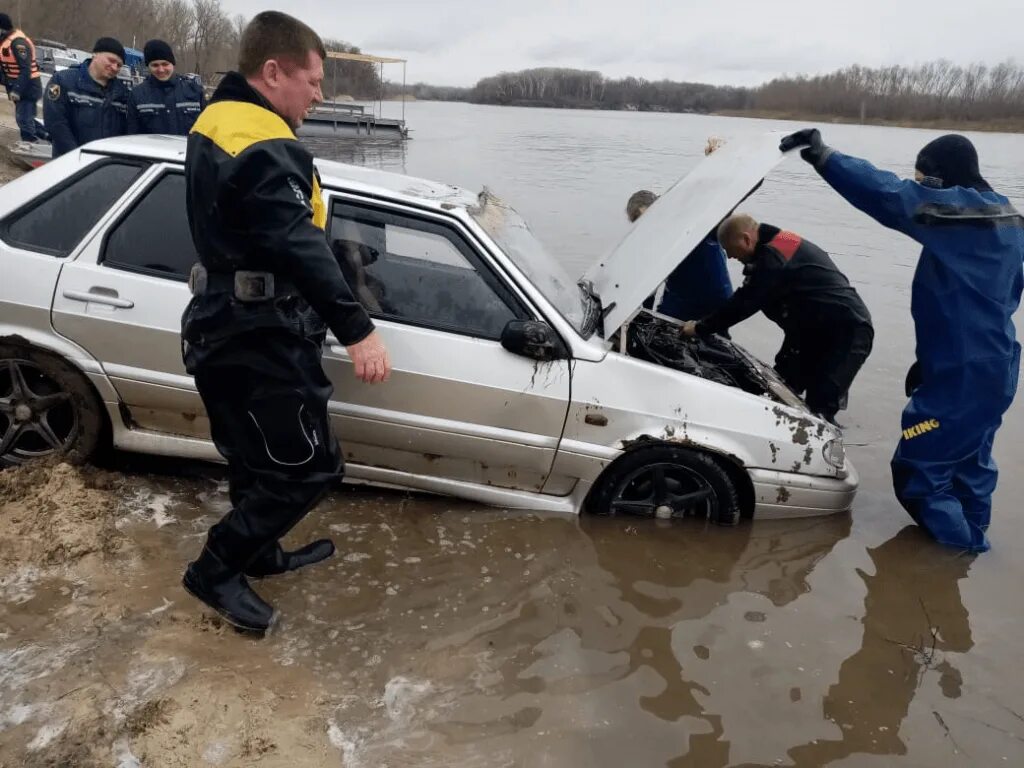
(418, 272)
(55, 223)
(154, 236)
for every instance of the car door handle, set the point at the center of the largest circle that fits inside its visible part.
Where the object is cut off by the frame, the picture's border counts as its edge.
(106, 296)
(336, 348)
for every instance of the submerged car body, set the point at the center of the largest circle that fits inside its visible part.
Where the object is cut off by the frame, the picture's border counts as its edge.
(512, 385)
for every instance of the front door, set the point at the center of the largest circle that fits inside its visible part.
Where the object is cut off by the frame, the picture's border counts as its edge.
(458, 405)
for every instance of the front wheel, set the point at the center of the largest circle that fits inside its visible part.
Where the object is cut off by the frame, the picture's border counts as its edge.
(666, 481)
(47, 408)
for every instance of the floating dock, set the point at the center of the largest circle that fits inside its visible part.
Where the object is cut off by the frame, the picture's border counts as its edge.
(344, 120)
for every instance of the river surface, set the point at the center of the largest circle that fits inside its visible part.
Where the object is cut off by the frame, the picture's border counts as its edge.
(786, 643)
(448, 634)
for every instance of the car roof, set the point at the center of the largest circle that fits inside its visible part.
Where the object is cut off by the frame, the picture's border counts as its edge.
(171, 149)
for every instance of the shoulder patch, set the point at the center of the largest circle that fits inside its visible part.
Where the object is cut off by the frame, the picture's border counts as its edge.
(787, 244)
(235, 126)
(53, 91)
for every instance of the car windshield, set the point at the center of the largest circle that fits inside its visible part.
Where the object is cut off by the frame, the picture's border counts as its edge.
(512, 234)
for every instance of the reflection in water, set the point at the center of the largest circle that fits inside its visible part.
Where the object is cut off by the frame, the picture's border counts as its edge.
(672, 578)
(525, 640)
(914, 615)
(387, 154)
(596, 659)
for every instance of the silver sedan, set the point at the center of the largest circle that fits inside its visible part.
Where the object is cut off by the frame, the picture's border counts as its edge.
(513, 383)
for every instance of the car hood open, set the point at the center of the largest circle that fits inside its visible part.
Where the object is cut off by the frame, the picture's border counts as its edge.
(680, 219)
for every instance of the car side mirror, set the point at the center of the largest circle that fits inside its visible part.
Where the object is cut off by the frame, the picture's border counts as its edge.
(533, 339)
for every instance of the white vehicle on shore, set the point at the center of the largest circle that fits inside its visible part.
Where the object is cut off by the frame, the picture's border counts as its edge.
(513, 384)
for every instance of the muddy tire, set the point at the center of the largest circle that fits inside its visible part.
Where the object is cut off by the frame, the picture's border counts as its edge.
(47, 408)
(666, 481)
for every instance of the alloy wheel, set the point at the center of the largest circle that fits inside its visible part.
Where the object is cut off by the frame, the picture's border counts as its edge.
(663, 490)
(37, 417)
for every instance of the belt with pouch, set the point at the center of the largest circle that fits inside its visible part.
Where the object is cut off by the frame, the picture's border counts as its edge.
(247, 286)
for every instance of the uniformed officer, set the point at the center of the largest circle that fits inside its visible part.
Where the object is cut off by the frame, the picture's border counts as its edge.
(165, 102)
(966, 288)
(266, 285)
(88, 102)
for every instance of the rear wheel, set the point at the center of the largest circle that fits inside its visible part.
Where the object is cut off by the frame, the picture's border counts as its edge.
(667, 481)
(47, 408)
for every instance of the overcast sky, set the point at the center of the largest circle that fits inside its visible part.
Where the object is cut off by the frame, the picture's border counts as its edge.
(738, 42)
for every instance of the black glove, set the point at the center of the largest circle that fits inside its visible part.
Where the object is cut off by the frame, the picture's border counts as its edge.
(913, 380)
(816, 152)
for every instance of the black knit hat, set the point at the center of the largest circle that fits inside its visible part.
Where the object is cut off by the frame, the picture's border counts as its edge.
(109, 45)
(951, 161)
(5, 22)
(158, 50)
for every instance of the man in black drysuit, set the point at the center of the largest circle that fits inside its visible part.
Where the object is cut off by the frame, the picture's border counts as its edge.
(266, 285)
(797, 286)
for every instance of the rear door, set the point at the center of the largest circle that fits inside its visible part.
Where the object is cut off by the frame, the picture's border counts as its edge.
(458, 405)
(122, 300)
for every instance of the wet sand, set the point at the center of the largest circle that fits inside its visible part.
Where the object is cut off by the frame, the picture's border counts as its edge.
(448, 635)
(9, 169)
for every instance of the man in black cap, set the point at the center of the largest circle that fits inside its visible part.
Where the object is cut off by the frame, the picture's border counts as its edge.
(164, 102)
(21, 76)
(88, 102)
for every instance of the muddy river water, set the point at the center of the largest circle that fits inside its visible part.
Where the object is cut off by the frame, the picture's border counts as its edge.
(448, 634)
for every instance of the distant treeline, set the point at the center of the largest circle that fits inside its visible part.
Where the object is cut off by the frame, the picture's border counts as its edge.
(205, 39)
(939, 91)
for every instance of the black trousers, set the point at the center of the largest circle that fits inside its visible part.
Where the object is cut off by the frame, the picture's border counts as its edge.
(824, 364)
(266, 395)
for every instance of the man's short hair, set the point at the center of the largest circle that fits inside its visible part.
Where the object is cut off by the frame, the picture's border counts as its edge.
(734, 226)
(642, 199)
(276, 35)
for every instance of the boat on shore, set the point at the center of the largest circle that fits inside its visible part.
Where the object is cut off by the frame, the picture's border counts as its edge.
(30, 156)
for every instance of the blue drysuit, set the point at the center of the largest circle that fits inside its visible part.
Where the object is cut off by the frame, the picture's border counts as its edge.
(699, 286)
(966, 288)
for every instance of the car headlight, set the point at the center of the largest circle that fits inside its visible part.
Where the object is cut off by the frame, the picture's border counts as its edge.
(835, 453)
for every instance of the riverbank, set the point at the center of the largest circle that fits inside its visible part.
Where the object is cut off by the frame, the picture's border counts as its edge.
(1008, 125)
(990, 126)
(10, 169)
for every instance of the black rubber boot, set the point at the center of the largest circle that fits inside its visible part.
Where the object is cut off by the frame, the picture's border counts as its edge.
(274, 560)
(226, 591)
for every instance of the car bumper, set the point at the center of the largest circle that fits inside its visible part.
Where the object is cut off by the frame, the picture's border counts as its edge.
(787, 494)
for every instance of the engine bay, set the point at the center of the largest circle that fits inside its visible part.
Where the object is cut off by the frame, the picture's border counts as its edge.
(653, 338)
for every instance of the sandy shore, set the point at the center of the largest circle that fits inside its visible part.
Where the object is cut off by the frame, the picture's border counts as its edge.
(8, 135)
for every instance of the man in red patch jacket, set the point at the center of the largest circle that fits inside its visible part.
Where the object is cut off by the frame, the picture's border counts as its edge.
(798, 286)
